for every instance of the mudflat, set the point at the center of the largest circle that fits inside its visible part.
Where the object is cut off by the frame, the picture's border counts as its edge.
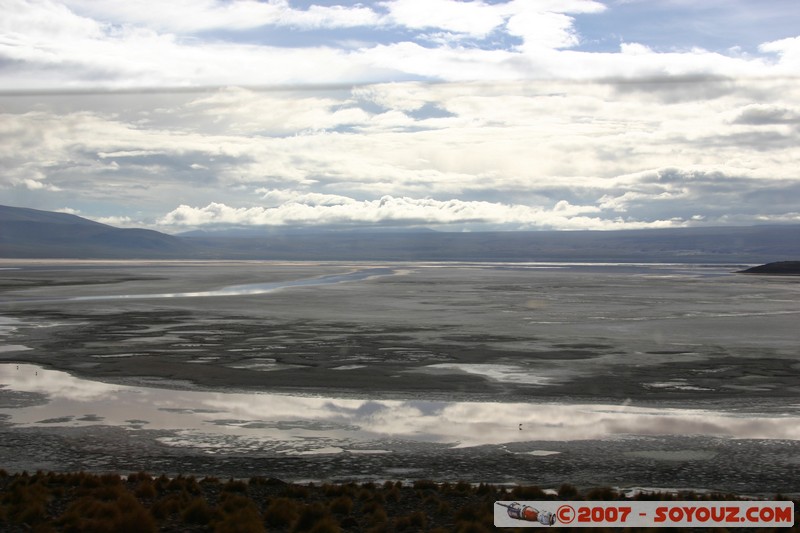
(712, 345)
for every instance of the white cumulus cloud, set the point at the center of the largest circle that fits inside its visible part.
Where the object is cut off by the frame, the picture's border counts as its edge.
(388, 210)
(475, 18)
(46, 44)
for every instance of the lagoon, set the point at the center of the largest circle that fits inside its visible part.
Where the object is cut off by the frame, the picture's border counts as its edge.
(666, 374)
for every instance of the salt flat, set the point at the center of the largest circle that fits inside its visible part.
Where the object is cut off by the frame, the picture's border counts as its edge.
(670, 370)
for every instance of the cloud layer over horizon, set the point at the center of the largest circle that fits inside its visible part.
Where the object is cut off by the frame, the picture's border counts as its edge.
(115, 44)
(518, 114)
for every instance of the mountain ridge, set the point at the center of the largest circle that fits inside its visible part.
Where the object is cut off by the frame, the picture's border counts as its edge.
(31, 233)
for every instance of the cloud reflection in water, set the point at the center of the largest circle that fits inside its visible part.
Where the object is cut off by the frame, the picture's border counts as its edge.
(345, 422)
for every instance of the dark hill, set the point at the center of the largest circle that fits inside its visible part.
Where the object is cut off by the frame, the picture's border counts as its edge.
(44, 234)
(779, 268)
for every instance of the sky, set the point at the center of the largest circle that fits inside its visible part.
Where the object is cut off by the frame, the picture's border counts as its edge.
(446, 114)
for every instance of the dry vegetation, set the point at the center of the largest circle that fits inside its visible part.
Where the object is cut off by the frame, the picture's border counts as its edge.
(141, 503)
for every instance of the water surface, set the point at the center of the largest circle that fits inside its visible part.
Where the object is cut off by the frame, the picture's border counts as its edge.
(287, 423)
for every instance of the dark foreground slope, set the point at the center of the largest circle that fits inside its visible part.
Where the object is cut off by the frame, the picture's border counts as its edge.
(29, 233)
(143, 503)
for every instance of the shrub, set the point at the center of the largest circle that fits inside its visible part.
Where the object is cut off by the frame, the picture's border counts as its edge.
(230, 502)
(365, 495)
(309, 516)
(485, 488)
(471, 527)
(567, 492)
(476, 513)
(197, 512)
(281, 513)
(371, 507)
(237, 513)
(105, 492)
(171, 504)
(88, 482)
(326, 525)
(162, 483)
(123, 515)
(139, 477)
(145, 489)
(349, 523)
(241, 520)
(425, 484)
(444, 509)
(185, 484)
(378, 516)
(110, 480)
(260, 481)
(402, 523)
(393, 495)
(431, 499)
(462, 487)
(25, 502)
(528, 493)
(235, 486)
(297, 491)
(602, 493)
(342, 505)
(74, 479)
(330, 490)
(416, 521)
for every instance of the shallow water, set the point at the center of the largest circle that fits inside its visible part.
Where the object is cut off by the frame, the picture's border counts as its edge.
(289, 423)
(247, 289)
(585, 372)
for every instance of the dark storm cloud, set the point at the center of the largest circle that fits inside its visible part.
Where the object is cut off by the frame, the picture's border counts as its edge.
(710, 196)
(565, 155)
(753, 140)
(765, 114)
(678, 89)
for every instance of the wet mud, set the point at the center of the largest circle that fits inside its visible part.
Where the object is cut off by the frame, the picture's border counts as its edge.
(669, 336)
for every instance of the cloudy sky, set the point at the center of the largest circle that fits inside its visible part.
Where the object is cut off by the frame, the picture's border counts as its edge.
(449, 114)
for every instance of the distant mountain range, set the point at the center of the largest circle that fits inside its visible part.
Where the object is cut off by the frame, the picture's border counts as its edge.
(30, 233)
